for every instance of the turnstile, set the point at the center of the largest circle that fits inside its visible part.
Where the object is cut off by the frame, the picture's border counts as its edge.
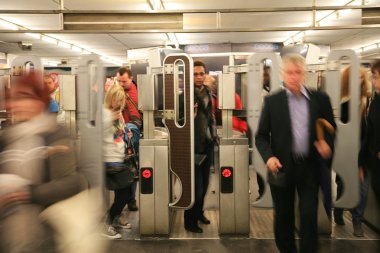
(233, 167)
(154, 172)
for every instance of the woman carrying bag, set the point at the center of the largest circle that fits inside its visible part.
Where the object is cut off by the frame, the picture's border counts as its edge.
(118, 176)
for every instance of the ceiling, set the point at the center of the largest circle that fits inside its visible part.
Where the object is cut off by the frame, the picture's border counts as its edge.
(115, 45)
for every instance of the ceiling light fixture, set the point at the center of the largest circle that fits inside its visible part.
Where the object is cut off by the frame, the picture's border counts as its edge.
(34, 35)
(8, 25)
(49, 39)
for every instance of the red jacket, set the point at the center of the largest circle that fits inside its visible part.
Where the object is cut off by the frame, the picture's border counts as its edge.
(130, 110)
(237, 123)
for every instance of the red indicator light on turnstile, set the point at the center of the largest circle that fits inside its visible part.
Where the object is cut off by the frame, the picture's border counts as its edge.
(226, 173)
(146, 174)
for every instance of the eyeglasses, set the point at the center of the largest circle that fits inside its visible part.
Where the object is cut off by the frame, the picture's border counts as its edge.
(199, 74)
(374, 77)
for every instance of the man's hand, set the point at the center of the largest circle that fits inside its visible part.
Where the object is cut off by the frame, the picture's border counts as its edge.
(323, 149)
(273, 165)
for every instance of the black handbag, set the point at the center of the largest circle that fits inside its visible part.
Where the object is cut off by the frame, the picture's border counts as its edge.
(118, 177)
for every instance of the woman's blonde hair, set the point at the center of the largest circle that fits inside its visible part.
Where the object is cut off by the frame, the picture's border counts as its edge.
(365, 91)
(115, 92)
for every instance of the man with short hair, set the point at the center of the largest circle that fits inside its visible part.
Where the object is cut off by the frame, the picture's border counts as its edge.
(287, 142)
(130, 115)
(205, 136)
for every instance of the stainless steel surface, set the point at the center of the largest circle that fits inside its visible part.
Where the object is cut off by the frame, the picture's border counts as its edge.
(147, 201)
(91, 133)
(233, 141)
(255, 103)
(264, 29)
(67, 92)
(347, 135)
(234, 207)
(227, 130)
(154, 208)
(230, 10)
(146, 92)
(226, 91)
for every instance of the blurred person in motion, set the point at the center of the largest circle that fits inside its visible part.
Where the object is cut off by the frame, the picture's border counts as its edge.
(365, 94)
(371, 144)
(114, 146)
(131, 114)
(37, 157)
(286, 140)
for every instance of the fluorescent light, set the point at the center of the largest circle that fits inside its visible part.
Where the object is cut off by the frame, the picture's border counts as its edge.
(49, 39)
(155, 4)
(50, 63)
(344, 12)
(173, 39)
(370, 47)
(299, 36)
(64, 44)
(34, 35)
(76, 49)
(8, 25)
(359, 50)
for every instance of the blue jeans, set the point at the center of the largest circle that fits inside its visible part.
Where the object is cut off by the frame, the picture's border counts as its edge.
(358, 212)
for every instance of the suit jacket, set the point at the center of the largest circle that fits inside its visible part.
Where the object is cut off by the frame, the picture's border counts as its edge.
(274, 136)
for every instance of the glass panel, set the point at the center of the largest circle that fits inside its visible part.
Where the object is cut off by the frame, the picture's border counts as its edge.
(180, 91)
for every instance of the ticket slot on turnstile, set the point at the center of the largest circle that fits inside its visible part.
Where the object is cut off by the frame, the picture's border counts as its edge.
(146, 183)
(226, 180)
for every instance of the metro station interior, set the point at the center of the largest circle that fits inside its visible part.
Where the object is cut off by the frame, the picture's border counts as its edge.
(82, 44)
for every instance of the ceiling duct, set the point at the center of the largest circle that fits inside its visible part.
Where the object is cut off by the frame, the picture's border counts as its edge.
(309, 51)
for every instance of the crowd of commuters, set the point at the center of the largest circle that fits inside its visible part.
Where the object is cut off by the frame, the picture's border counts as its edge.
(291, 150)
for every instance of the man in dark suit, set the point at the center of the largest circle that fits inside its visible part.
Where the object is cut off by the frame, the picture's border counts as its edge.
(286, 140)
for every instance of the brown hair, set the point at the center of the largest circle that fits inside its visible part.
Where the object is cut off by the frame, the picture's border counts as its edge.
(29, 86)
(123, 70)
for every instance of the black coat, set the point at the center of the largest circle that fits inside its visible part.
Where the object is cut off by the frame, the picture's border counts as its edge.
(274, 136)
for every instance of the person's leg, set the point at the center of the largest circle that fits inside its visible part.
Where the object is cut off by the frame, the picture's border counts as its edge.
(283, 199)
(338, 212)
(205, 177)
(307, 188)
(118, 205)
(191, 215)
(132, 197)
(358, 212)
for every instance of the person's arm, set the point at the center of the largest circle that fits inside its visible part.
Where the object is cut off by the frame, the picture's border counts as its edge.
(262, 136)
(64, 180)
(329, 116)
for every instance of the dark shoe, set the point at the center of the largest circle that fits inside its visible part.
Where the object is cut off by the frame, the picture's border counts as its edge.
(194, 229)
(204, 220)
(132, 206)
(339, 220)
(358, 230)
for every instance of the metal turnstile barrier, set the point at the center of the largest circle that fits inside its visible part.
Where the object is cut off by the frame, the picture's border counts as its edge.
(154, 167)
(233, 163)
